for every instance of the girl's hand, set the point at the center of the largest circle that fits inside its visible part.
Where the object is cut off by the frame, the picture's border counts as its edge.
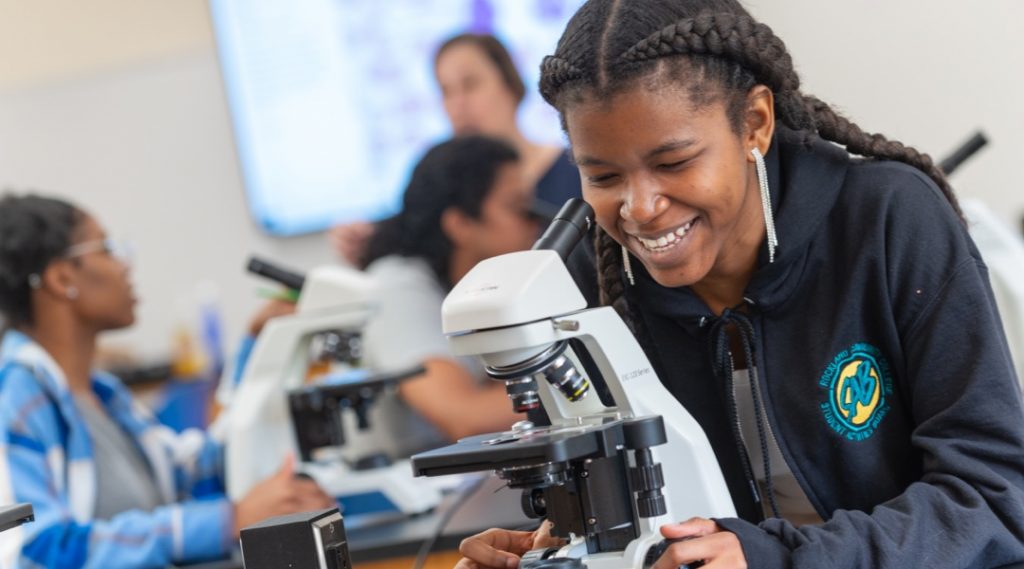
(717, 548)
(502, 549)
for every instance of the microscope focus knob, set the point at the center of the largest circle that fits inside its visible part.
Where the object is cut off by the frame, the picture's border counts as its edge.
(648, 480)
(651, 505)
(533, 503)
(658, 549)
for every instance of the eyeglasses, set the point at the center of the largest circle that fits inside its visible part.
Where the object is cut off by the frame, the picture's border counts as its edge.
(120, 250)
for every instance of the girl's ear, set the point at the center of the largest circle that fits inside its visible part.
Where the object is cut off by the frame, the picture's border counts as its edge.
(456, 226)
(59, 279)
(759, 120)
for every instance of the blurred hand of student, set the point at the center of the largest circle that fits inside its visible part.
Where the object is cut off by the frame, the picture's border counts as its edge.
(349, 240)
(502, 549)
(271, 309)
(281, 493)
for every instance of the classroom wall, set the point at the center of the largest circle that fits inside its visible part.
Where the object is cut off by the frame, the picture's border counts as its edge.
(119, 107)
(149, 151)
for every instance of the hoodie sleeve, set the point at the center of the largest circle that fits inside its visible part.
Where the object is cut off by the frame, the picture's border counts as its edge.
(967, 507)
(32, 469)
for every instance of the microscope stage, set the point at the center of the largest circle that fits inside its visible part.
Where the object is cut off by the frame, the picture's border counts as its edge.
(495, 451)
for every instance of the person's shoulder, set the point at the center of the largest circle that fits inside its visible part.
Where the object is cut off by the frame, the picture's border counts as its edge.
(405, 281)
(896, 198)
(26, 409)
(392, 268)
(895, 184)
(18, 382)
(904, 211)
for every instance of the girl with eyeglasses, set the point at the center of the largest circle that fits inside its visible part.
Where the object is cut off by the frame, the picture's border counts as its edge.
(109, 485)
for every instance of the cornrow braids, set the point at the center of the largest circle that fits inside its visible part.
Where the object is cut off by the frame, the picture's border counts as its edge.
(611, 288)
(716, 50)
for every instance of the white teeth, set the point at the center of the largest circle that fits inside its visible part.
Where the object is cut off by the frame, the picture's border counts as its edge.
(667, 239)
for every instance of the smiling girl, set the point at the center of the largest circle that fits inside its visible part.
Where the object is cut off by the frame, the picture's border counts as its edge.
(807, 290)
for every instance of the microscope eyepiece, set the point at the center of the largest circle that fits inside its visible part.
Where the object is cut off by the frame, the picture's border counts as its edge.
(290, 279)
(571, 223)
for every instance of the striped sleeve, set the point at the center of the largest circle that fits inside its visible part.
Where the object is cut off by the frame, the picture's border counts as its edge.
(32, 469)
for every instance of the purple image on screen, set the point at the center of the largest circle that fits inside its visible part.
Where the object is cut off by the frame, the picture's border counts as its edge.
(553, 10)
(483, 17)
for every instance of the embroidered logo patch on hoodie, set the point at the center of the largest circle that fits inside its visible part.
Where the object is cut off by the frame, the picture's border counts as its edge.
(857, 387)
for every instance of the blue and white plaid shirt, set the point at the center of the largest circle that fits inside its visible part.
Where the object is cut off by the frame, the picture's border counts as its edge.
(46, 459)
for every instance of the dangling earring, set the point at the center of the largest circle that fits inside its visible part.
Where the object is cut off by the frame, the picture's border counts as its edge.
(627, 266)
(766, 203)
(72, 293)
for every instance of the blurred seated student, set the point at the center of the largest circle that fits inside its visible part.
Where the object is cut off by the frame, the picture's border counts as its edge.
(482, 91)
(466, 201)
(110, 486)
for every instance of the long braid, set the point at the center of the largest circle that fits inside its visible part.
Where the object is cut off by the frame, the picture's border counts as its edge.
(611, 287)
(830, 125)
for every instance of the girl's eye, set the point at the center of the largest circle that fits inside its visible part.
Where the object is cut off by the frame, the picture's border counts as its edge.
(672, 166)
(601, 179)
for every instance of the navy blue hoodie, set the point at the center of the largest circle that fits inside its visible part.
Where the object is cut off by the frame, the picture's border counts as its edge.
(885, 372)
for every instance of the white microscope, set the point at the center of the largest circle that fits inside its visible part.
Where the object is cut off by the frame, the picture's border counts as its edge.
(597, 471)
(260, 423)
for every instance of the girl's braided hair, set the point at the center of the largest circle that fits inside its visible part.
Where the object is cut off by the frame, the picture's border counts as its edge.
(716, 50)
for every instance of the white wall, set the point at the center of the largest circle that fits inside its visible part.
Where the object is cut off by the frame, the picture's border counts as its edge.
(927, 72)
(149, 151)
(138, 131)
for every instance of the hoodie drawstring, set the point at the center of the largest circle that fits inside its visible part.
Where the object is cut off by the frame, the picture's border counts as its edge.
(723, 364)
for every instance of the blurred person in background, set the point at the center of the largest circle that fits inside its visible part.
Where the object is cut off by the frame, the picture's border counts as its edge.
(481, 91)
(110, 486)
(466, 201)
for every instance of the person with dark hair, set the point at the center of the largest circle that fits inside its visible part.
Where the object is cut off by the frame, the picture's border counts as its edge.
(465, 201)
(807, 290)
(109, 486)
(481, 91)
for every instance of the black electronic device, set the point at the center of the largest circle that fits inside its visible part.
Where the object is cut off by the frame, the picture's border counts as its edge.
(14, 515)
(308, 540)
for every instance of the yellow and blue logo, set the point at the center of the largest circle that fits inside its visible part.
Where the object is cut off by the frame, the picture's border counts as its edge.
(858, 387)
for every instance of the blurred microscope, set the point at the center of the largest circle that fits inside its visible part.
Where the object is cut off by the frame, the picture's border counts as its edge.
(300, 381)
(598, 472)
